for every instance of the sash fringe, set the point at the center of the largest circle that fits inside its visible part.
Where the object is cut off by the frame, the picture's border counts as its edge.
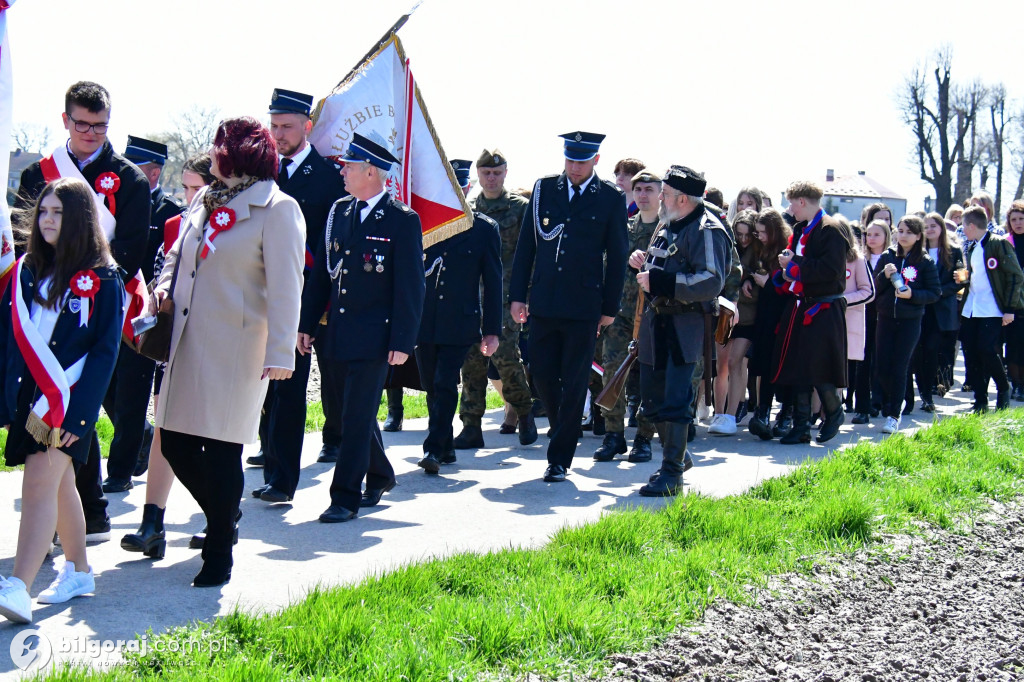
(41, 431)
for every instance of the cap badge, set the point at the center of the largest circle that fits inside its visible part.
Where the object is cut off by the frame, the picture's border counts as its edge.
(578, 137)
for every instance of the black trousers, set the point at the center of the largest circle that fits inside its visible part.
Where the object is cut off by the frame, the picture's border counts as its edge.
(127, 402)
(283, 427)
(332, 412)
(561, 352)
(357, 386)
(981, 339)
(934, 355)
(895, 341)
(439, 367)
(666, 395)
(211, 470)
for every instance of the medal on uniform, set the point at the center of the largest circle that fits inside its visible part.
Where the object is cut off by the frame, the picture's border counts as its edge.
(366, 262)
(380, 264)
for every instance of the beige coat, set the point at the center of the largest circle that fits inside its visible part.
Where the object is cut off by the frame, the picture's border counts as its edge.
(235, 312)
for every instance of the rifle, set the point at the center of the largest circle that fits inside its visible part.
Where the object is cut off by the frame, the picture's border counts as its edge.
(609, 395)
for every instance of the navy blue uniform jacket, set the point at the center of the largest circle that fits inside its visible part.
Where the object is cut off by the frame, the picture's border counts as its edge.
(457, 266)
(101, 340)
(369, 313)
(576, 276)
(316, 185)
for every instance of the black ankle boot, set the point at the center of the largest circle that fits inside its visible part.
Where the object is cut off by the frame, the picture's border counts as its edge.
(150, 539)
(801, 431)
(834, 414)
(758, 425)
(669, 481)
(396, 411)
(216, 570)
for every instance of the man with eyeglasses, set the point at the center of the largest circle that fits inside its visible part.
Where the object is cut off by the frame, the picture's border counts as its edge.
(123, 205)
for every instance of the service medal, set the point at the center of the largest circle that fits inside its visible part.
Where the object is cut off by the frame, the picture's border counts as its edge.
(366, 262)
(380, 264)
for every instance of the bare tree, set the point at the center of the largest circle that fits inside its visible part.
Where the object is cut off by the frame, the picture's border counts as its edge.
(1016, 147)
(192, 132)
(940, 117)
(967, 102)
(31, 137)
(999, 120)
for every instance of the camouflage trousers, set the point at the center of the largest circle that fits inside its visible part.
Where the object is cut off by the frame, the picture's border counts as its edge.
(612, 349)
(514, 387)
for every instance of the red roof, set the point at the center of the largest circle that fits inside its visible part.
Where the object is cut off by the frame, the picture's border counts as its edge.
(857, 185)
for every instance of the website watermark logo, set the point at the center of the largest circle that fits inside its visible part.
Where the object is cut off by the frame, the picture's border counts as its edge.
(31, 650)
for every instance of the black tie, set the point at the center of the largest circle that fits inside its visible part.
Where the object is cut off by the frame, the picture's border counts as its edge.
(360, 205)
(282, 175)
(576, 192)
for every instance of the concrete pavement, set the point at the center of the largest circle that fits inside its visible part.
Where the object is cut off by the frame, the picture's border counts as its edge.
(490, 499)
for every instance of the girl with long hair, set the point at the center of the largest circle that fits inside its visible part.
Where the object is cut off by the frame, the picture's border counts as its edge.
(1015, 330)
(60, 332)
(876, 240)
(773, 234)
(901, 305)
(860, 290)
(934, 362)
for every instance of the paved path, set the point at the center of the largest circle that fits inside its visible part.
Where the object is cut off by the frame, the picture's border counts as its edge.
(489, 499)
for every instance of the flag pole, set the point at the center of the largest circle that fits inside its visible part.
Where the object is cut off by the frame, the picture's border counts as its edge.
(386, 37)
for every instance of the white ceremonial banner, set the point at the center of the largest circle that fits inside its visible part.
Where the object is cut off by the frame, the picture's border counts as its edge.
(380, 101)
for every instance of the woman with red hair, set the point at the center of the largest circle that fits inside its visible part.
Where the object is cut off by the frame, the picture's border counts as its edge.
(235, 276)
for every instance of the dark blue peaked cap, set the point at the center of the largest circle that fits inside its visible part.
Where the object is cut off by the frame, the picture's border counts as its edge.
(290, 102)
(141, 150)
(461, 168)
(581, 146)
(368, 151)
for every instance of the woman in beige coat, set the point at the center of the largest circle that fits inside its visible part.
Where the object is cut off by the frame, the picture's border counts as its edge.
(235, 276)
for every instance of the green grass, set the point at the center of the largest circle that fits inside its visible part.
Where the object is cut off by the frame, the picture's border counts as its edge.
(620, 584)
(414, 402)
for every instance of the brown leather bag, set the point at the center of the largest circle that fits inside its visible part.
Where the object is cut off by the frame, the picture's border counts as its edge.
(155, 343)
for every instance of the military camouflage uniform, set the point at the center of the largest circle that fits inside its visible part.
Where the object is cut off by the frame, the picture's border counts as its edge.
(613, 346)
(508, 210)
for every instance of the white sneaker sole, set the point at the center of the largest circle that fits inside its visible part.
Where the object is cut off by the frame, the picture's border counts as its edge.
(43, 598)
(14, 616)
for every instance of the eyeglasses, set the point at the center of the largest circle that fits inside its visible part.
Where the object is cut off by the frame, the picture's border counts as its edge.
(84, 127)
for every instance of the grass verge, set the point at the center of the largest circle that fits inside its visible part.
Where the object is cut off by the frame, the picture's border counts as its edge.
(620, 584)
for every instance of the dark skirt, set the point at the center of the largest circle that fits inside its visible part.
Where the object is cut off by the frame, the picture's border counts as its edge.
(811, 352)
(21, 444)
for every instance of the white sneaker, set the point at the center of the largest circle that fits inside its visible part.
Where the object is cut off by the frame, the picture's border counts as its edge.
(703, 412)
(723, 425)
(15, 604)
(892, 425)
(68, 584)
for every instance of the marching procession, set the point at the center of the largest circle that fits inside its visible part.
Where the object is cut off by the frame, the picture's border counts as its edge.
(642, 300)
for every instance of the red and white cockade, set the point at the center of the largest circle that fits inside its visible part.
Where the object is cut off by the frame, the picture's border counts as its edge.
(107, 184)
(909, 273)
(85, 284)
(221, 220)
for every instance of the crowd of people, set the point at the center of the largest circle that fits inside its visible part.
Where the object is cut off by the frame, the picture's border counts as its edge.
(723, 309)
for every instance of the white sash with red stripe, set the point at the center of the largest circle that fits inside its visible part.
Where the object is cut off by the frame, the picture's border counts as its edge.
(55, 382)
(67, 168)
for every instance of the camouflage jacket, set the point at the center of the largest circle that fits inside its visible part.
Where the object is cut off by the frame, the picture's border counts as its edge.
(639, 239)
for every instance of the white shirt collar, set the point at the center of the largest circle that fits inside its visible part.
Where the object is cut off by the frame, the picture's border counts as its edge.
(82, 164)
(371, 204)
(297, 159)
(583, 185)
